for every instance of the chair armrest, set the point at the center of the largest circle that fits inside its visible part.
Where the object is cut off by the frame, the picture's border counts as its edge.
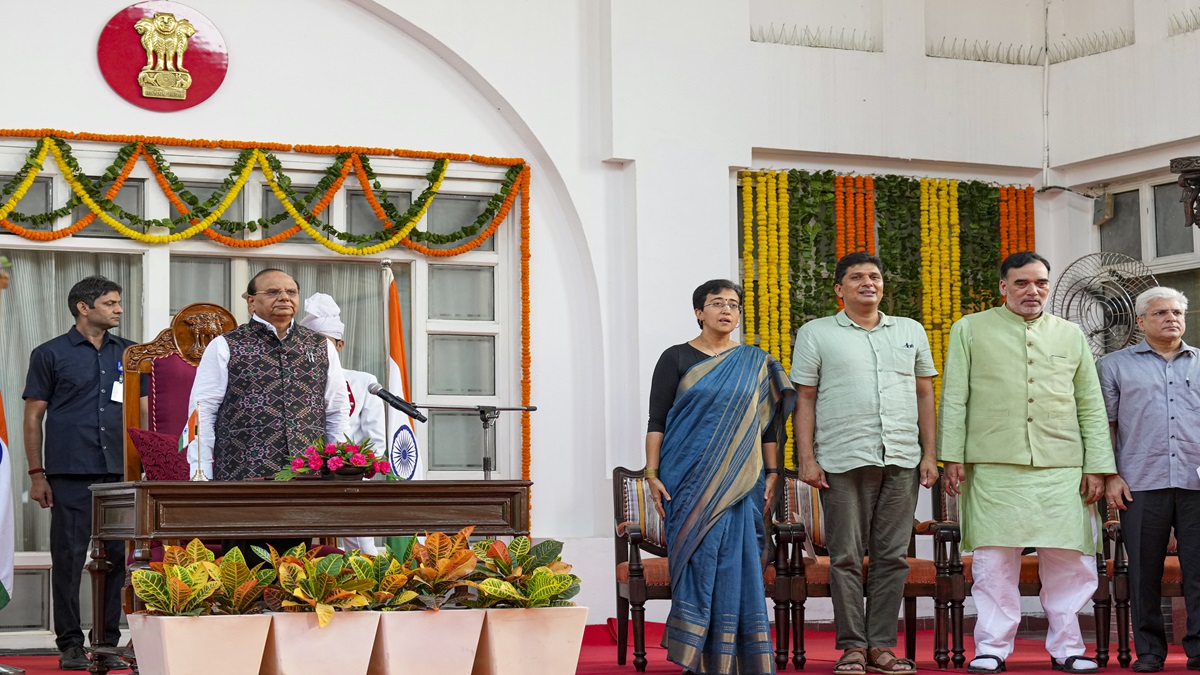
(631, 531)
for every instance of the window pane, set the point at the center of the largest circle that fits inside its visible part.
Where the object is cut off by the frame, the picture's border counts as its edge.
(272, 207)
(460, 292)
(360, 219)
(36, 201)
(1188, 283)
(35, 310)
(1123, 234)
(357, 288)
(199, 280)
(456, 441)
(129, 199)
(1171, 235)
(448, 213)
(236, 211)
(462, 365)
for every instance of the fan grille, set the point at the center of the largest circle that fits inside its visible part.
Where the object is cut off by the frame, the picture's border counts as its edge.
(1097, 292)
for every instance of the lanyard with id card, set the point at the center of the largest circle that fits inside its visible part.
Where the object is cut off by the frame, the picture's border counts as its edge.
(118, 389)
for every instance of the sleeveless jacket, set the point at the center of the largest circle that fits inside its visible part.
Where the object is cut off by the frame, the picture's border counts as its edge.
(274, 404)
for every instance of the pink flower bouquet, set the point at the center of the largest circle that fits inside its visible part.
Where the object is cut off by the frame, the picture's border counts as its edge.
(329, 457)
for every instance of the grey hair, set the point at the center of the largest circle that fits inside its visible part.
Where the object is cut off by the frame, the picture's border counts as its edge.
(1159, 293)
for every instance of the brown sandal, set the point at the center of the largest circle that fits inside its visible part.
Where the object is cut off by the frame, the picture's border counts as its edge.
(882, 660)
(852, 662)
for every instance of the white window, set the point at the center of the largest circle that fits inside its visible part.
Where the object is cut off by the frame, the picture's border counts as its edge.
(461, 314)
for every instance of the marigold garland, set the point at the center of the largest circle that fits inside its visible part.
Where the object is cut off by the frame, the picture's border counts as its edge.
(839, 206)
(1006, 246)
(784, 284)
(748, 279)
(760, 220)
(526, 330)
(1030, 230)
(869, 244)
(860, 219)
(770, 342)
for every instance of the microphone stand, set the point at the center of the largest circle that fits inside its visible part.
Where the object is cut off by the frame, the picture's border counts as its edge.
(488, 414)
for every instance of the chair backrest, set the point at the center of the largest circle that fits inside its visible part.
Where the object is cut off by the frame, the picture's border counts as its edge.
(632, 503)
(169, 361)
(801, 503)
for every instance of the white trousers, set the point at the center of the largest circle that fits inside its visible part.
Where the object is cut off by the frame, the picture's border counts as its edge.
(1068, 584)
(364, 544)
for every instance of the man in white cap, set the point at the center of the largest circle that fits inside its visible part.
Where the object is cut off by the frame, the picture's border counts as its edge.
(367, 414)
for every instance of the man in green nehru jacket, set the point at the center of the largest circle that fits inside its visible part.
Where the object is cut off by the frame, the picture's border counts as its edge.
(1024, 436)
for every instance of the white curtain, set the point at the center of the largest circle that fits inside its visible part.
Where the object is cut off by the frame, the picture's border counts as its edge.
(359, 292)
(34, 310)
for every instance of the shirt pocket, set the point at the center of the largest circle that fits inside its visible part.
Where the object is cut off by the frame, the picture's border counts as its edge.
(904, 360)
(69, 382)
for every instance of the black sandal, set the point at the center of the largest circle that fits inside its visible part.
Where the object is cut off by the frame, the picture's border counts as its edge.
(999, 668)
(1067, 666)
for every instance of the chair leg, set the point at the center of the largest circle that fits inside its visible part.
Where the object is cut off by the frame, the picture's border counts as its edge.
(1122, 609)
(941, 619)
(798, 659)
(622, 629)
(1103, 614)
(782, 628)
(910, 629)
(956, 627)
(638, 610)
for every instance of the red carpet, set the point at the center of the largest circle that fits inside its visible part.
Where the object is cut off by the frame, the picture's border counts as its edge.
(599, 656)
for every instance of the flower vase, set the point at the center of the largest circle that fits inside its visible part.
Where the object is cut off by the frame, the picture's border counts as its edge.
(350, 473)
(451, 634)
(183, 645)
(540, 641)
(297, 645)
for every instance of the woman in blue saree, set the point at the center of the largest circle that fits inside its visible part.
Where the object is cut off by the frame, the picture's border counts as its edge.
(717, 413)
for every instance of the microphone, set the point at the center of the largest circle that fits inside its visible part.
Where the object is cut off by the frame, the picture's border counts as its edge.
(396, 402)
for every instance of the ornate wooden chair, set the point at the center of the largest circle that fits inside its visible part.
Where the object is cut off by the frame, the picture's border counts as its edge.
(800, 527)
(640, 530)
(959, 581)
(169, 361)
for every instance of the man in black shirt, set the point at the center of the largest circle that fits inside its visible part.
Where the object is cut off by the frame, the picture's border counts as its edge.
(74, 386)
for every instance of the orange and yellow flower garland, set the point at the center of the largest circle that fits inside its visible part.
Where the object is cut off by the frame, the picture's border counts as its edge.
(765, 263)
(748, 255)
(941, 303)
(48, 146)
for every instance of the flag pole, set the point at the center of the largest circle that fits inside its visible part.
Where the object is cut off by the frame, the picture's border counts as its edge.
(4, 265)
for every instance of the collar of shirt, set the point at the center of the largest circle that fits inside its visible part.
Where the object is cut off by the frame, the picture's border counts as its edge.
(1019, 319)
(255, 317)
(78, 338)
(847, 322)
(1144, 347)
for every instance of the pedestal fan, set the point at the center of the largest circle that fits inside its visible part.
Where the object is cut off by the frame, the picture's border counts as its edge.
(1097, 292)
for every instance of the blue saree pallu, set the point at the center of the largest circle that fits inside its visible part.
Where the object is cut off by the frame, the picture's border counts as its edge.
(711, 464)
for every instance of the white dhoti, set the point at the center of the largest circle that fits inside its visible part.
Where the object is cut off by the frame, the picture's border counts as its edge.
(1007, 507)
(1068, 583)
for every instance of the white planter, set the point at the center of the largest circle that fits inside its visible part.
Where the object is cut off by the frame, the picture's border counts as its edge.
(298, 646)
(542, 641)
(450, 636)
(184, 645)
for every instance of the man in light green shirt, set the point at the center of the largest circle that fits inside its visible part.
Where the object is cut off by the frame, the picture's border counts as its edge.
(1024, 435)
(865, 410)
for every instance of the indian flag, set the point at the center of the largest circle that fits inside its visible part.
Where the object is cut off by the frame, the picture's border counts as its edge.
(189, 431)
(8, 528)
(406, 459)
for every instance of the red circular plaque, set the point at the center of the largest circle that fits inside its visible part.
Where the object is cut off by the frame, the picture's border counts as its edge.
(124, 52)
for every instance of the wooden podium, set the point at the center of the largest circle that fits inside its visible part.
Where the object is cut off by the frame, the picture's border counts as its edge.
(143, 511)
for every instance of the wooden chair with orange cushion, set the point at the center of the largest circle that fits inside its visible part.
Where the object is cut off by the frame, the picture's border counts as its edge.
(948, 557)
(170, 361)
(800, 526)
(639, 529)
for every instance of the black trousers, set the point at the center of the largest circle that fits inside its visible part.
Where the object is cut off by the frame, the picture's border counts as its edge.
(70, 543)
(1146, 527)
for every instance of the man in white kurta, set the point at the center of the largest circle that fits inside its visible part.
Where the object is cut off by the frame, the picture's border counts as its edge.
(1024, 435)
(367, 414)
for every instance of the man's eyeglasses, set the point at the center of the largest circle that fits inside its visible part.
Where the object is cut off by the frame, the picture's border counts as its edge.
(722, 304)
(276, 292)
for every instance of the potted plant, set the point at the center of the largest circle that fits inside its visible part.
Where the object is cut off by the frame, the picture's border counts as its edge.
(436, 574)
(344, 460)
(305, 637)
(193, 603)
(531, 626)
